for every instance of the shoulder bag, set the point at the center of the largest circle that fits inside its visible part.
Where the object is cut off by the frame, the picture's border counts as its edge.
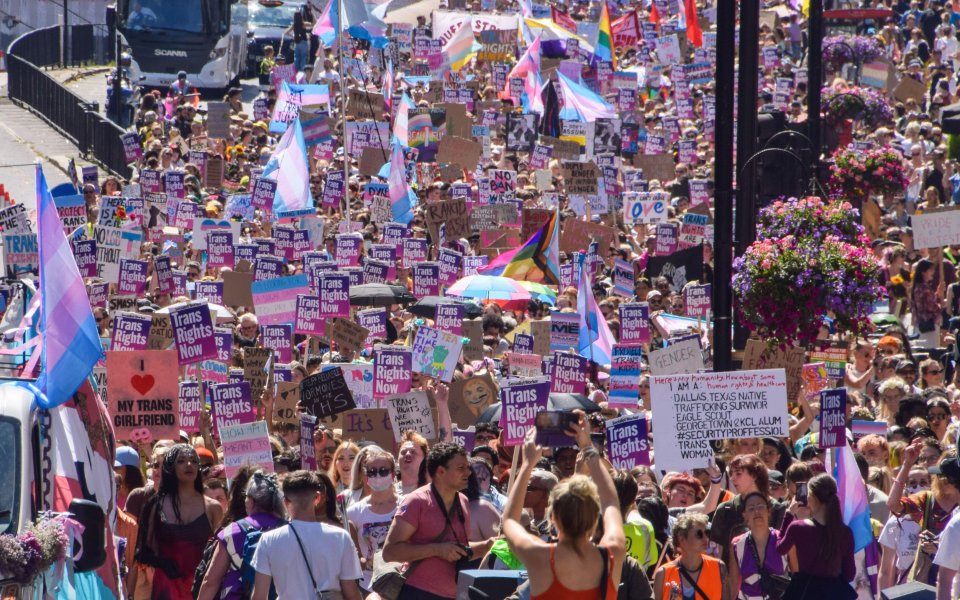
(773, 586)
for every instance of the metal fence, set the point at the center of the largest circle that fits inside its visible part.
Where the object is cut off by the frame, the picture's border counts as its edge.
(95, 136)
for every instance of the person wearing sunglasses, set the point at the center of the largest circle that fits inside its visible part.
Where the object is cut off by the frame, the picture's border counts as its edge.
(371, 516)
(931, 374)
(938, 416)
(694, 571)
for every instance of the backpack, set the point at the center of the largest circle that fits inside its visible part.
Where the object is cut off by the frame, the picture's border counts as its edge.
(204, 565)
(251, 537)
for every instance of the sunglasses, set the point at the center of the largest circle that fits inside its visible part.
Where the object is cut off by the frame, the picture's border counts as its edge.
(936, 416)
(699, 533)
(933, 372)
(381, 472)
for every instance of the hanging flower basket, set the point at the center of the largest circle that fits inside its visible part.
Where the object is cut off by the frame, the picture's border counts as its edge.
(839, 50)
(858, 173)
(868, 106)
(811, 260)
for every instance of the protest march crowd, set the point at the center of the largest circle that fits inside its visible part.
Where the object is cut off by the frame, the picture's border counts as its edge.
(431, 318)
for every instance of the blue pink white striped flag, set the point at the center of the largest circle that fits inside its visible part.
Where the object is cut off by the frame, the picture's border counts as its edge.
(853, 497)
(596, 341)
(328, 23)
(530, 61)
(71, 343)
(580, 103)
(400, 193)
(288, 167)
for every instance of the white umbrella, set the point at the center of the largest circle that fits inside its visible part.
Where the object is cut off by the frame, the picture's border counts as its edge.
(220, 312)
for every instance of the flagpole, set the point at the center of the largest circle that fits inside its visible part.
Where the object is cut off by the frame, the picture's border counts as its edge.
(343, 116)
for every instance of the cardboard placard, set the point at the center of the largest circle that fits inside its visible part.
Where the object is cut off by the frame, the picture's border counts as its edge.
(285, 403)
(577, 235)
(453, 213)
(757, 355)
(255, 371)
(143, 392)
(347, 334)
(459, 151)
(580, 179)
(471, 396)
(684, 356)
(909, 89)
(411, 411)
(656, 166)
(326, 393)
(365, 424)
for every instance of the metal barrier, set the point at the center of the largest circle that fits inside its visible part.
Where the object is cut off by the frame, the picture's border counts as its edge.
(29, 86)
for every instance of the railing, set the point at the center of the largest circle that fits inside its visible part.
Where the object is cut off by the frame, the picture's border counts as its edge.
(79, 121)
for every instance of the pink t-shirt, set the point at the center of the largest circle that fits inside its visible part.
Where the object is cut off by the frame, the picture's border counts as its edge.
(420, 509)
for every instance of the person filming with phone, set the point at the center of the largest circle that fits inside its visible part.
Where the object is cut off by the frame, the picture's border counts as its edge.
(573, 567)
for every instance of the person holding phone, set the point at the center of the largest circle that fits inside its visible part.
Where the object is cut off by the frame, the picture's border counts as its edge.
(573, 566)
(819, 549)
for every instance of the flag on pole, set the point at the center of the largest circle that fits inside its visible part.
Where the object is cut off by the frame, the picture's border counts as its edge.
(530, 61)
(388, 83)
(401, 196)
(596, 341)
(580, 103)
(401, 122)
(605, 49)
(71, 341)
(538, 259)
(289, 168)
(461, 47)
(694, 33)
(328, 24)
(853, 497)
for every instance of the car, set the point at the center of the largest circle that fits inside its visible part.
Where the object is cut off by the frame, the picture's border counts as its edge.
(266, 23)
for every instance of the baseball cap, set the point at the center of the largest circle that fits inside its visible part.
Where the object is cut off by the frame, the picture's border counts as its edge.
(127, 457)
(948, 467)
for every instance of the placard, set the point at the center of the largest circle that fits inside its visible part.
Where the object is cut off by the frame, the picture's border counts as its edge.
(131, 331)
(191, 406)
(246, 444)
(143, 394)
(231, 404)
(564, 332)
(696, 300)
(569, 373)
(326, 393)
(276, 299)
(625, 377)
(520, 401)
(936, 229)
(308, 449)
(691, 410)
(627, 443)
(392, 370)
(193, 333)
(411, 411)
(435, 353)
(347, 334)
(256, 370)
(684, 356)
(285, 403)
(278, 338)
(308, 319)
(833, 418)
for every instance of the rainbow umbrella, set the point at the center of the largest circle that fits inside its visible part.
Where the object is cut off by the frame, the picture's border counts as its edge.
(540, 292)
(502, 290)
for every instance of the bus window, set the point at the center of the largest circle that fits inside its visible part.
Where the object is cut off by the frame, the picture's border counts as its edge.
(10, 474)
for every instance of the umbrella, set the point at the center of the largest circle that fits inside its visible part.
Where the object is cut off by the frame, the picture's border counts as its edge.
(557, 401)
(219, 312)
(379, 294)
(502, 290)
(539, 291)
(427, 307)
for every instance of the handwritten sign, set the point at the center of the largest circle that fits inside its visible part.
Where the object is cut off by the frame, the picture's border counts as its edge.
(411, 411)
(246, 444)
(684, 356)
(326, 393)
(435, 353)
(691, 410)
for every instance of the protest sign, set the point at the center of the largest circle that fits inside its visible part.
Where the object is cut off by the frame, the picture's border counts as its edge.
(411, 411)
(285, 403)
(520, 401)
(696, 300)
(449, 318)
(426, 279)
(347, 334)
(276, 299)
(453, 213)
(278, 338)
(131, 331)
(334, 292)
(191, 406)
(85, 255)
(470, 396)
(308, 448)
(246, 444)
(231, 404)
(623, 278)
(833, 418)
(685, 356)
(524, 365)
(143, 394)
(72, 211)
(359, 378)
(625, 377)
(634, 323)
(20, 254)
(691, 410)
(569, 373)
(326, 393)
(308, 319)
(133, 277)
(564, 332)
(193, 332)
(758, 355)
(627, 443)
(834, 360)
(435, 353)
(679, 268)
(392, 370)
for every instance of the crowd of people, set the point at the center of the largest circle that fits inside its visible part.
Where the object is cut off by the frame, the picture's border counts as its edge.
(766, 520)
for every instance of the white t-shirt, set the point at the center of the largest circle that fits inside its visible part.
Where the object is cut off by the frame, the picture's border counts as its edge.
(948, 553)
(372, 531)
(901, 535)
(330, 550)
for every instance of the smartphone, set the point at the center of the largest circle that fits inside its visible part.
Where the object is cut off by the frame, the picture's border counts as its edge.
(597, 440)
(555, 421)
(802, 493)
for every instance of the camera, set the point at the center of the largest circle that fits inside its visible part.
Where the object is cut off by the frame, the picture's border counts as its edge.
(464, 561)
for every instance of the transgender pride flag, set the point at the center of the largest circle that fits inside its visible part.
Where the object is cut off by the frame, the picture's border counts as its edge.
(71, 342)
(288, 167)
(401, 196)
(529, 62)
(328, 23)
(596, 341)
(853, 497)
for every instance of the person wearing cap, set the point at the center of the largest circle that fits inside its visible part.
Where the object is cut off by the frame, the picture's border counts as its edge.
(931, 509)
(127, 467)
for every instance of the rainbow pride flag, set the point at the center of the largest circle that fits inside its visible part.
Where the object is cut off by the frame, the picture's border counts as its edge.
(538, 259)
(605, 49)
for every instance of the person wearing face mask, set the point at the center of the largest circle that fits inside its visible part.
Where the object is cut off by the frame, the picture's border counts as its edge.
(371, 516)
(900, 535)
